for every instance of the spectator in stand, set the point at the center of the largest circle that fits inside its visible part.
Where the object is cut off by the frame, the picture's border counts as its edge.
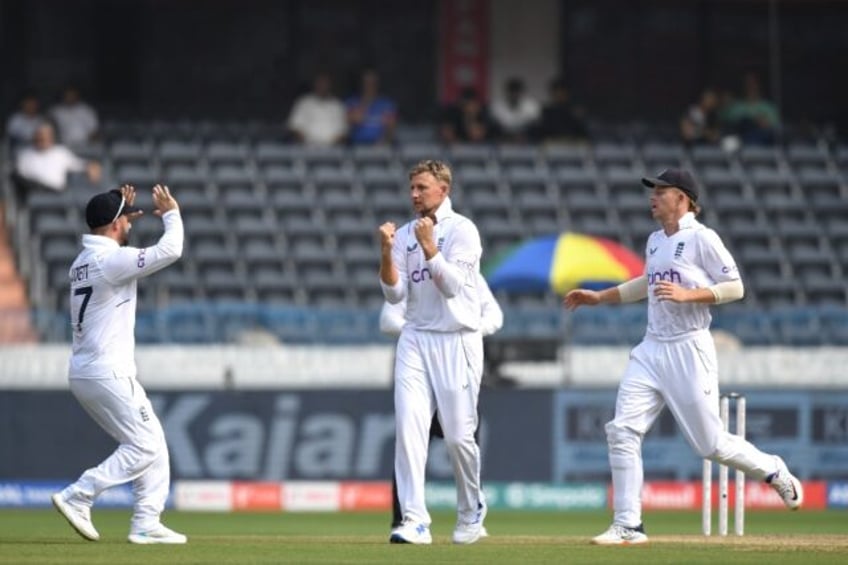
(700, 123)
(371, 116)
(562, 120)
(76, 121)
(753, 118)
(467, 120)
(516, 113)
(46, 164)
(21, 126)
(319, 118)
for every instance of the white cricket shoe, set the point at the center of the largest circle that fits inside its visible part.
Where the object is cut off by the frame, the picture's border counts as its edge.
(159, 534)
(786, 485)
(621, 535)
(466, 533)
(78, 516)
(410, 532)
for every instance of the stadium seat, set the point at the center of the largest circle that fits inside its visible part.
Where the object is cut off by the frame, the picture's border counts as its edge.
(189, 323)
(413, 153)
(798, 326)
(231, 153)
(571, 156)
(271, 154)
(827, 208)
(467, 157)
(173, 152)
(769, 181)
(709, 155)
(623, 181)
(289, 324)
(592, 327)
(52, 203)
(323, 158)
(610, 154)
(750, 326)
(232, 178)
(823, 289)
(235, 318)
(516, 158)
(834, 324)
(343, 325)
(131, 152)
(800, 155)
(569, 179)
(221, 283)
(539, 221)
(347, 223)
(527, 181)
(373, 157)
(758, 156)
(182, 178)
(776, 292)
(658, 156)
(718, 181)
(586, 203)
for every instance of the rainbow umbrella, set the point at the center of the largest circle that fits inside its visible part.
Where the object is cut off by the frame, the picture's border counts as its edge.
(561, 263)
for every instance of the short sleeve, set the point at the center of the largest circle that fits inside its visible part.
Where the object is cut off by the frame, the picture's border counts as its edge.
(716, 259)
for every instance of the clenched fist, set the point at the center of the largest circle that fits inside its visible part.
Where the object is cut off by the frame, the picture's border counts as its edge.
(387, 235)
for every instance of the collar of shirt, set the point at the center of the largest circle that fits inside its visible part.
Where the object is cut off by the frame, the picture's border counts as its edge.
(687, 221)
(93, 240)
(445, 210)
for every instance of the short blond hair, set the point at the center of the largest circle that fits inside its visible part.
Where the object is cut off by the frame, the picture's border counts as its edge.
(439, 169)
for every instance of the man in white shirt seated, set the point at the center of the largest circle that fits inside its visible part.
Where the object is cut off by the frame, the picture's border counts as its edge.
(516, 112)
(76, 121)
(46, 164)
(319, 118)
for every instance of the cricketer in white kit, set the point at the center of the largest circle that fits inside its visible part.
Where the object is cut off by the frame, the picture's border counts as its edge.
(433, 262)
(687, 269)
(392, 320)
(102, 370)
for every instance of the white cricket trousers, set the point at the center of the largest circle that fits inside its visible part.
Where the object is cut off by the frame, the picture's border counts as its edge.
(120, 406)
(437, 370)
(683, 375)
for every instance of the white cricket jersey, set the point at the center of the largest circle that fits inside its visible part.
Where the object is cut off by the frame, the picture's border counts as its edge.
(693, 257)
(491, 316)
(441, 293)
(103, 299)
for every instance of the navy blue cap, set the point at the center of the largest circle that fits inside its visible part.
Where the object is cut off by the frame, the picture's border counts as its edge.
(678, 178)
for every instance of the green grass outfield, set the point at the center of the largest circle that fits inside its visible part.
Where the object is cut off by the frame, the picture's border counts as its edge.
(773, 537)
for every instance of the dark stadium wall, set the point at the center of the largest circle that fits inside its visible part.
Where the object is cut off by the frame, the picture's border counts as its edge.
(624, 59)
(648, 59)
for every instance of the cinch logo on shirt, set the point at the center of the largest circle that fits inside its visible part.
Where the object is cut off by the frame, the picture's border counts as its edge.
(418, 276)
(670, 275)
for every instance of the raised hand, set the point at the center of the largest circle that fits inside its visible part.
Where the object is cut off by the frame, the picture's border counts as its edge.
(387, 236)
(128, 193)
(162, 200)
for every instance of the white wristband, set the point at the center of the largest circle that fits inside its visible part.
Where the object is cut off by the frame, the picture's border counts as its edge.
(727, 291)
(634, 289)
